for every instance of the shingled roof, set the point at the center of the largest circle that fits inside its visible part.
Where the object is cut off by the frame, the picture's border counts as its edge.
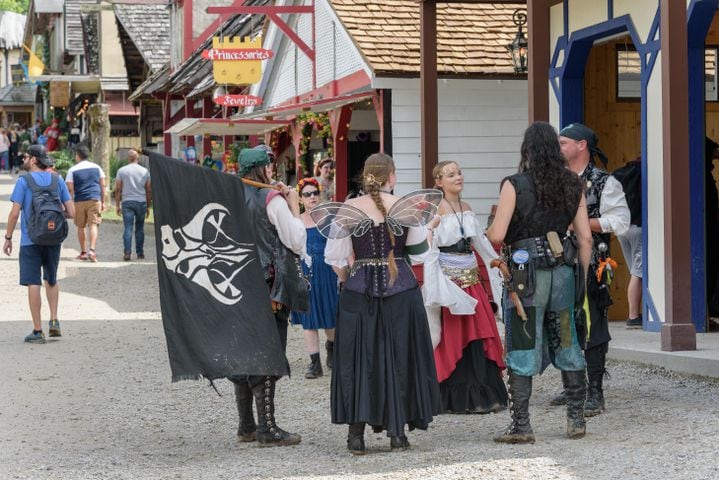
(471, 37)
(23, 94)
(149, 29)
(73, 26)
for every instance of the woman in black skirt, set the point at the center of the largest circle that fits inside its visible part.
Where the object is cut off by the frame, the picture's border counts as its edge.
(384, 373)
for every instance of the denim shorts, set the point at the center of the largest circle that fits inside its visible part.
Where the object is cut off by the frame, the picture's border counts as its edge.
(35, 259)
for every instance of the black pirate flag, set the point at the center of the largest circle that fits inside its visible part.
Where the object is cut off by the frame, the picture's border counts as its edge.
(215, 304)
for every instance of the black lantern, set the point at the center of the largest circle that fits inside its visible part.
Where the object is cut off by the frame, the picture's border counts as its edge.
(519, 48)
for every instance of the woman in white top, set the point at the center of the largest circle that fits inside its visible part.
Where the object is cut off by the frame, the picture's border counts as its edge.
(468, 350)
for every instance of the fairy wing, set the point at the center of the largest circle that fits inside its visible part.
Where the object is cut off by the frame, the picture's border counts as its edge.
(338, 220)
(415, 209)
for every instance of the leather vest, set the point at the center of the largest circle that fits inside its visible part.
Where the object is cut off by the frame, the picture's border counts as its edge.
(280, 265)
(594, 180)
(529, 218)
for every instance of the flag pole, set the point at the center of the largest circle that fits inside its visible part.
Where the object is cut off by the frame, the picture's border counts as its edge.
(246, 181)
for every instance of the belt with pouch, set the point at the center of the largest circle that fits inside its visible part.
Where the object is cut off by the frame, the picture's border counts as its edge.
(538, 252)
(463, 246)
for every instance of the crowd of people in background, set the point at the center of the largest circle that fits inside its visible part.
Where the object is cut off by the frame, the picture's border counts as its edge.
(400, 351)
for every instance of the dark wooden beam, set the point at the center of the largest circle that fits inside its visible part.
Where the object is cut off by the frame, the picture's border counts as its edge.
(678, 332)
(539, 58)
(428, 90)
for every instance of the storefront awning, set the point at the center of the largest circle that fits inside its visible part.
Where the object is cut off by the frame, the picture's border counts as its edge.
(119, 104)
(222, 126)
(316, 106)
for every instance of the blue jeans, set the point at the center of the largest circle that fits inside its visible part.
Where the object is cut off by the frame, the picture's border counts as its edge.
(133, 214)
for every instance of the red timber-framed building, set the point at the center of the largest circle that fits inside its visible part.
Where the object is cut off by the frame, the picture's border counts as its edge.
(352, 68)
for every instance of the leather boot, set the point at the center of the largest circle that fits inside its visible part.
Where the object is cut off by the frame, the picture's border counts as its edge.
(355, 439)
(330, 347)
(558, 400)
(596, 357)
(314, 370)
(399, 442)
(247, 431)
(519, 431)
(268, 433)
(595, 395)
(575, 387)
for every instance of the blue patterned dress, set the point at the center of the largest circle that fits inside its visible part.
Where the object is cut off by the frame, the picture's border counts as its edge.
(324, 292)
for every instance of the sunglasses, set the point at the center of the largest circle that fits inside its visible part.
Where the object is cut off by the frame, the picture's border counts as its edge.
(313, 193)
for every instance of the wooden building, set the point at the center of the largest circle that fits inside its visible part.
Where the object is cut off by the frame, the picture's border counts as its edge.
(620, 66)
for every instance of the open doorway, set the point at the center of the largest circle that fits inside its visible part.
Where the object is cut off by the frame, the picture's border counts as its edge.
(612, 108)
(711, 173)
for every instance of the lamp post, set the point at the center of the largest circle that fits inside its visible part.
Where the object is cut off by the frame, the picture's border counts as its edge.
(519, 47)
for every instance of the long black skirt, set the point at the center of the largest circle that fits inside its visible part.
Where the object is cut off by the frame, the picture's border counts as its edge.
(384, 372)
(475, 385)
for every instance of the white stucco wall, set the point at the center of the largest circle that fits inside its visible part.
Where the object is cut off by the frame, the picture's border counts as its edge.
(585, 13)
(641, 11)
(655, 190)
(112, 63)
(481, 123)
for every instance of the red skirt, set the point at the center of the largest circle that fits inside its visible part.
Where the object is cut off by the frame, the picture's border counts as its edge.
(458, 331)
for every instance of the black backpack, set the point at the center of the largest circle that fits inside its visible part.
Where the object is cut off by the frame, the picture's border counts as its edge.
(630, 176)
(47, 224)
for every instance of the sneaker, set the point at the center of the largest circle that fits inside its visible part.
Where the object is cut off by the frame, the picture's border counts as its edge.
(634, 322)
(35, 337)
(126, 257)
(54, 330)
(92, 256)
(140, 256)
(82, 256)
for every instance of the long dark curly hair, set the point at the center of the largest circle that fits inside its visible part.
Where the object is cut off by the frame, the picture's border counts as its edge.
(557, 187)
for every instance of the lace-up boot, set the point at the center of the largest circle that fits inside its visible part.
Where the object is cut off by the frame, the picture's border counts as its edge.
(268, 433)
(520, 430)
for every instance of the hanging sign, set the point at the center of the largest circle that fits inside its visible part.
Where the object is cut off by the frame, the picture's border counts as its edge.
(60, 94)
(229, 100)
(18, 74)
(237, 61)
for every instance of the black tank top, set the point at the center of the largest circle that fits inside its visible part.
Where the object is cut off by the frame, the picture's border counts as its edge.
(531, 219)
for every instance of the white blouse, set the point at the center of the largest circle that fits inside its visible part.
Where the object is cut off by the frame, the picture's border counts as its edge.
(438, 290)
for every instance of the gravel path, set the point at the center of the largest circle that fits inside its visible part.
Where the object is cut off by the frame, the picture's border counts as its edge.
(98, 404)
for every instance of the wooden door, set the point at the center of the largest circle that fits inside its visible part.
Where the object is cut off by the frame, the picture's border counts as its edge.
(617, 123)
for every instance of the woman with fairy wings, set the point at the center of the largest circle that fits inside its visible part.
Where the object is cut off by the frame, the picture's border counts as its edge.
(384, 373)
(468, 351)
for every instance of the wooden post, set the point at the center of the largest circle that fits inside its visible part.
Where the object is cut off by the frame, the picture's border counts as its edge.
(428, 89)
(98, 115)
(677, 332)
(339, 122)
(538, 66)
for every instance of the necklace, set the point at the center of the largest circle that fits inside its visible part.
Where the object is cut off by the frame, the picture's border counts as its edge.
(460, 217)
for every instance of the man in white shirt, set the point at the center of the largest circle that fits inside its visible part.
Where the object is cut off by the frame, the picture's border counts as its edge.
(608, 213)
(133, 198)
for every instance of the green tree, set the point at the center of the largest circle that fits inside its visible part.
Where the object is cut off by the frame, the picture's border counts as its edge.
(19, 6)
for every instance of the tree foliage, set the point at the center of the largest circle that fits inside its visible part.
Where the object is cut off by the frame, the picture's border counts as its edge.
(18, 6)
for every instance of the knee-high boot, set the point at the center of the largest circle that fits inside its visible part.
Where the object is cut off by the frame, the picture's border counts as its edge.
(355, 439)
(520, 430)
(247, 431)
(575, 386)
(596, 362)
(268, 433)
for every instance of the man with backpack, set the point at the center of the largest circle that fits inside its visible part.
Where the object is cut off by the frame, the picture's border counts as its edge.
(44, 201)
(630, 176)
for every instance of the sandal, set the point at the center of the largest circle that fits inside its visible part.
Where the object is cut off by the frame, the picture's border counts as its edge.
(82, 256)
(91, 255)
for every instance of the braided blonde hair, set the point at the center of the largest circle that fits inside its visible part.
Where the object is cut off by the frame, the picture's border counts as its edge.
(377, 170)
